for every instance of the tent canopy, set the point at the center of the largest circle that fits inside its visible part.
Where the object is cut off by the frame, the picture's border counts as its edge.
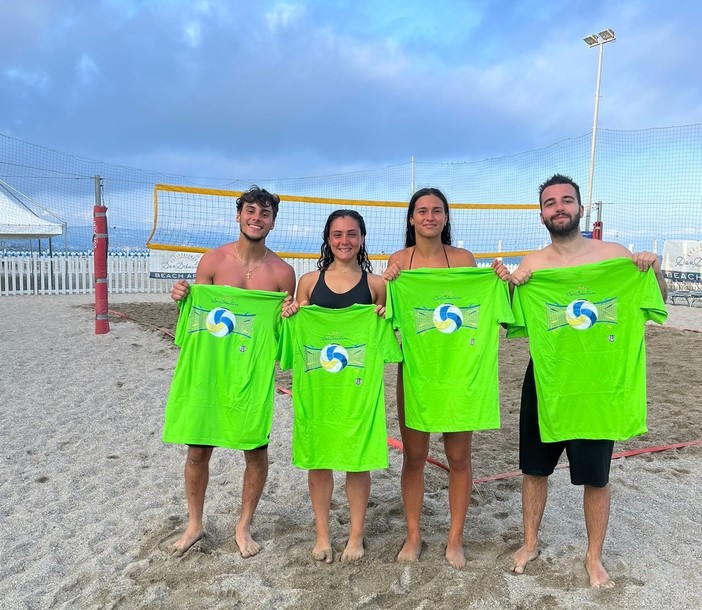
(18, 222)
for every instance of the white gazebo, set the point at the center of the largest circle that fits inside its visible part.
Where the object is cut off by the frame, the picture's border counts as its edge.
(18, 221)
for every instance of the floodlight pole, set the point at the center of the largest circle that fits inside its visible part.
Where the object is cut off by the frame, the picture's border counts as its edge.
(592, 41)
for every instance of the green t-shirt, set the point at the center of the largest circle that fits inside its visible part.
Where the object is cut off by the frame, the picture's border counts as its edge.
(449, 320)
(223, 386)
(586, 329)
(338, 357)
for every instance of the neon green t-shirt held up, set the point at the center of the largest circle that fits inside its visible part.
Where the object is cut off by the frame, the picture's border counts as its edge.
(222, 392)
(449, 320)
(338, 357)
(586, 329)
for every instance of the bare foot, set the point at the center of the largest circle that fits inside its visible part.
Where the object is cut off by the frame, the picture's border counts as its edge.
(522, 557)
(248, 547)
(190, 536)
(354, 550)
(456, 556)
(598, 575)
(322, 551)
(410, 551)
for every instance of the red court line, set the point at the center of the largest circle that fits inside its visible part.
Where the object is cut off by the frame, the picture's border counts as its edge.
(504, 475)
(631, 452)
(393, 442)
(615, 456)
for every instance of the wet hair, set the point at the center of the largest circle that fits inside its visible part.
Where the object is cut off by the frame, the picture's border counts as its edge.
(410, 235)
(260, 197)
(326, 257)
(559, 179)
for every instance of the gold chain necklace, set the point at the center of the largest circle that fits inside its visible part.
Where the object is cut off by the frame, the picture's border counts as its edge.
(249, 272)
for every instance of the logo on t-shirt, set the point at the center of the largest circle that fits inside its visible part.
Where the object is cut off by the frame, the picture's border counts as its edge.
(447, 318)
(220, 322)
(581, 314)
(334, 357)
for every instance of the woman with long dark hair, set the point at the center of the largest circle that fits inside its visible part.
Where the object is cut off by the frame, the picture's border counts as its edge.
(343, 279)
(428, 245)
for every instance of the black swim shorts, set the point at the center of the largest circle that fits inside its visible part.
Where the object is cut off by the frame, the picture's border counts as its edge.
(589, 460)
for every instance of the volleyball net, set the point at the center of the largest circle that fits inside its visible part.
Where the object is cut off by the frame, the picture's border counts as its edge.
(647, 184)
(191, 219)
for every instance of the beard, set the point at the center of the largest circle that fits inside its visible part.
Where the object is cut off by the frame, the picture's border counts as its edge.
(570, 228)
(254, 240)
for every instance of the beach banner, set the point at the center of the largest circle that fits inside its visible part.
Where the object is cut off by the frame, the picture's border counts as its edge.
(171, 265)
(682, 261)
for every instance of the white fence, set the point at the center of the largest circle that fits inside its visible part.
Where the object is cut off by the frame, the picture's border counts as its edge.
(33, 273)
(42, 274)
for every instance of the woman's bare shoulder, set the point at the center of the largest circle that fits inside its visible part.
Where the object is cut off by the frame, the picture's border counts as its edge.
(400, 257)
(460, 257)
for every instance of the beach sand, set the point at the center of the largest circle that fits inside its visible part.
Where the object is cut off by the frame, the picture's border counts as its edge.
(90, 497)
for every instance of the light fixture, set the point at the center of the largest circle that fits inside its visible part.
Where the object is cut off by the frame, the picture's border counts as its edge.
(591, 40)
(607, 35)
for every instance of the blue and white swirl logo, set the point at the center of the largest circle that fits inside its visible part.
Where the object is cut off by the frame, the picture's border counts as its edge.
(447, 318)
(333, 358)
(221, 322)
(581, 314)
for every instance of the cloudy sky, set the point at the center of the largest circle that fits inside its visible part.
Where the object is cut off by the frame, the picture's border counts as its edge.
(273, 89)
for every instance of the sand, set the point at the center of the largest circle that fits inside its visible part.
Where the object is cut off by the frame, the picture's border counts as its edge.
(90, 497)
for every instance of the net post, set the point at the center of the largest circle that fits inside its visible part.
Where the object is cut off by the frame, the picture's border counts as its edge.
(102, 323)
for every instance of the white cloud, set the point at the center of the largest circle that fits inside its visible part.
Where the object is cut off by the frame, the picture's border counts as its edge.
(204, 7)
(283, 16)
(87, 69)
(192, 32)
(36, 80)
(288, 87)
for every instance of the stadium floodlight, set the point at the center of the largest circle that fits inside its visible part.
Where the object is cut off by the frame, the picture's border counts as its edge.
(594, 40)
